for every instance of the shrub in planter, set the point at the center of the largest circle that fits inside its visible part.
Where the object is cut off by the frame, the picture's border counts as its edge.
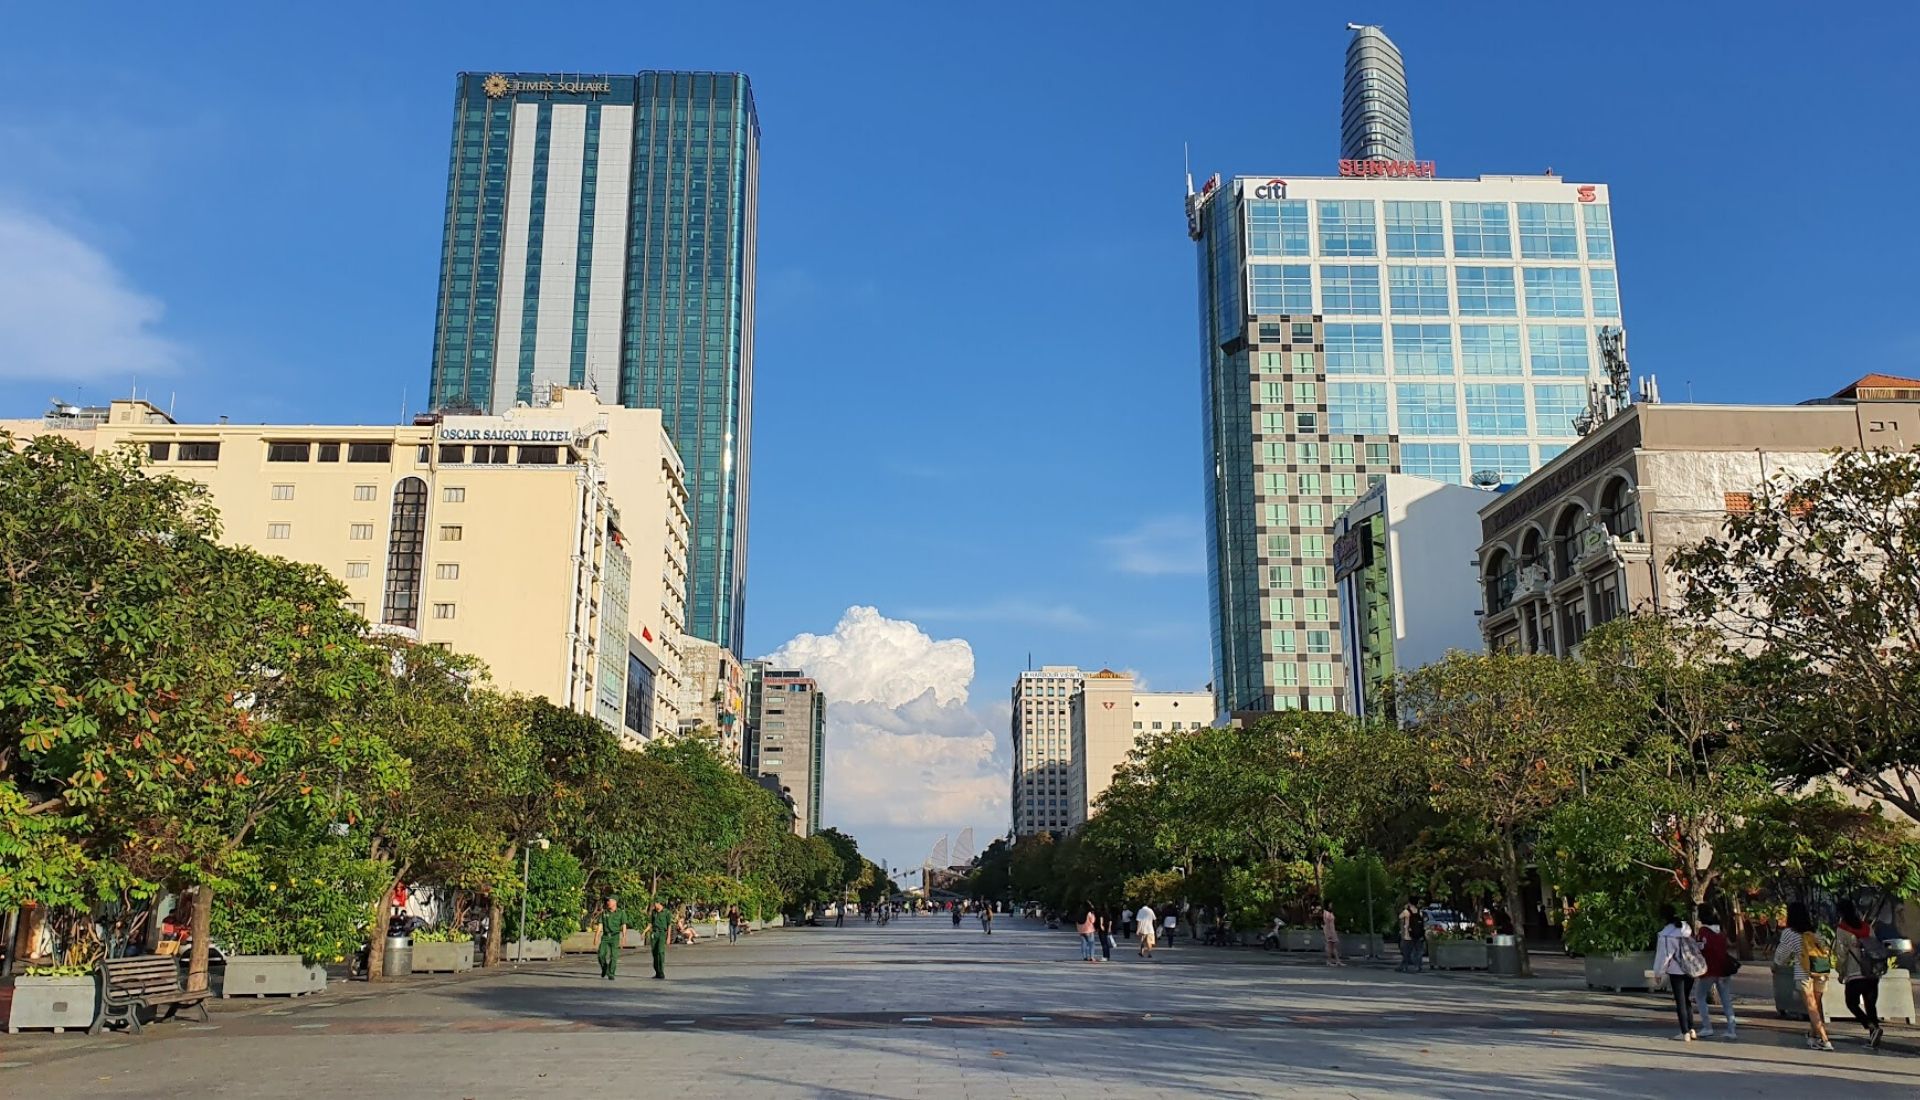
(447, 950)
(1615, 933)
(1456, 951)
(292, 898)
(556, 898)
(58, 997)
(1349, 886)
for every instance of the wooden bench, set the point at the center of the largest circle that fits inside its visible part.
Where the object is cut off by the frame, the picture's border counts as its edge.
(143, 981)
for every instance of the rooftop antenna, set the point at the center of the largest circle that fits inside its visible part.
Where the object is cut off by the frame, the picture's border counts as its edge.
(1186, 158)
(403, 406)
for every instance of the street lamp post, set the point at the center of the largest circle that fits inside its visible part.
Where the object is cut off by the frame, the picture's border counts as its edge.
(526, 866)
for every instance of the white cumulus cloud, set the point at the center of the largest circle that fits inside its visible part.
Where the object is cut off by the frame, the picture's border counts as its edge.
(904, 751)
(67, 312)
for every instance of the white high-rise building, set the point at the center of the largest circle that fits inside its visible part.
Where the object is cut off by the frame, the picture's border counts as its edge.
(1043, 748)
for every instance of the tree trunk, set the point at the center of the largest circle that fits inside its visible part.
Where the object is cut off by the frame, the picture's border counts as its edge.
(1510, 874)
(202, 928)
(377, 937)
(493, 930)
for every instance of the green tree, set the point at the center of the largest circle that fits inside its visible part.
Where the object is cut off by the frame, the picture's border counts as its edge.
(1820, 582)
(556, 897)
(1504, 739)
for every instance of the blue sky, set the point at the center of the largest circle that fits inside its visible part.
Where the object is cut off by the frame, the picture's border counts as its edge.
(978, 402)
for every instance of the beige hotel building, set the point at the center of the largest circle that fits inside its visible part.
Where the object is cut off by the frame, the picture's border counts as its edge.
(550, 542)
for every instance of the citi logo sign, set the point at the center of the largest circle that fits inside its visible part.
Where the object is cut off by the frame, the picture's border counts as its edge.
(1272, 189)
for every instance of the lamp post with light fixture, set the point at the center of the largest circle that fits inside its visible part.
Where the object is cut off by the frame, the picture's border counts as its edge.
(526, 868)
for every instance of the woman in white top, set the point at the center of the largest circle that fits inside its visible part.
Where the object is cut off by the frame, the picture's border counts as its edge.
(1671, 956)
(1799, 944)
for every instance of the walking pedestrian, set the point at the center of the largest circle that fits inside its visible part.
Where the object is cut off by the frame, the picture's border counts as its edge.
(733, 924)
(1678, 960)
(986, 918)
(1721, 967)
(1143, 920)
(1103, 931)
(612, 923)
(1812, 960)
(1085, 928)
(659, 927)
(1126, 923)
(1330, 932)
(1863, 959)
(1169, 924)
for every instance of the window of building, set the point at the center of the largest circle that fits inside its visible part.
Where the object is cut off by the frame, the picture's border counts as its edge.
(1320, 674)
(1316, 576)
(279, 530)
(1509, 460)
(1377, 452)
(1439, 461)
(1310, 484)
(423, 454)
(1555, 407)
(1547, 231)
(1350, 288)
(288, 452)
(369, 452)
(1303, 362)
(365, 492)
(1553, 291)
(1415, 229)
(1486, 292)
(1427, 408)
(1306, 452)
(1558, 350)
(1313, 546)
(1347, 228)
(198, 452)
(1281, 608)
(1322, 704)
(281, 492)
(1490, 349)
(1355, 349)
(539, 456)
(490, 456)
(443, 611)
(1496, 408)
(1417, 291)
(1341, 452)
(1306, 422)
(328, 452)
(1284, 641)
(1273, 393)
(1306, 392)
(1281, 288)
(1273, 454)
(1423, 349)
(1303, 332)
(447, 571)
(453, 454)
(1273, 423)
(1272, 362)
(451, 532)
(1345, 484)
(1273, 484)
(1356, 408)
(1551, 451)
(1276, 515)
(1277, 227)
(453, 494)
(360, 532)
(158, 452)
(1279, 546)
(358, 607)
(357, 569)
(1606, 291)
(1312, 515)
(1481, 231)
(406, 550)
(1598, 222)
(1286, 675)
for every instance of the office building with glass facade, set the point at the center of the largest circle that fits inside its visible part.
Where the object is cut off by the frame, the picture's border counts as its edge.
(1357, 326)
(1376, 115)
(600, 235)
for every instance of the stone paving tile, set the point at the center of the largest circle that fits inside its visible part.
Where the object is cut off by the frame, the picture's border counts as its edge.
(1235, 1027)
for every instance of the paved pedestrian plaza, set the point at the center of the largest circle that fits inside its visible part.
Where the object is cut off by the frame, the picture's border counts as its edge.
(922, 1009)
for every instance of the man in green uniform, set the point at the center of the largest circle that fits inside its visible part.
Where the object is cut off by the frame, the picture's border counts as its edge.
(658, 924)
(612, 923)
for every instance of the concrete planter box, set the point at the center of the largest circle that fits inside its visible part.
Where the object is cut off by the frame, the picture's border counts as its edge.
(442, 958)
(537, 950)
(581, 943)
(58, 1003)
(1354, 946)
(1457, 954)
(271, 976)
(1619, 972)
(631, 938)
(1300, 939)
(1896, 998)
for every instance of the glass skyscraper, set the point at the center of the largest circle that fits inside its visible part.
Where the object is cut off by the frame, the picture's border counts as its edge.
(600, 234)
(1376, 117)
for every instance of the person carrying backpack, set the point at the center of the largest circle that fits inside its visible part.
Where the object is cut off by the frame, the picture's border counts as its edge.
(1678, 959)
(1863, 959)
(1722, 965)
(1803, 948)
